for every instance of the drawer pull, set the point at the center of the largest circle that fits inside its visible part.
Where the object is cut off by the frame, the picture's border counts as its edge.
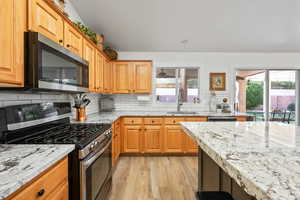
(152, 121)
(132, 121)
(174, 121)
(68, 45)
(41, 192)
(60, 41)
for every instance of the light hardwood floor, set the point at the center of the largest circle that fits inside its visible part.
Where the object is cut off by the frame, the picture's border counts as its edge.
(155, 178)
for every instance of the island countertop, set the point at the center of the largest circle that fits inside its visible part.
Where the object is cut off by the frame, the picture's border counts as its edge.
(19, 164)
(262, 157)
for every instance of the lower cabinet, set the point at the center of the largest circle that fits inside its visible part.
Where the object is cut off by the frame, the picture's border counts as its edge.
(153, 139)
(174, 139)
(53, 184)
(132, 138)
(116, 141)
(158, 135)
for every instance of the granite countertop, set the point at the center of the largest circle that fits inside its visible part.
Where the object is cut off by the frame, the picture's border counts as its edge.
(19, 164)
(262, 157)
(110, 117)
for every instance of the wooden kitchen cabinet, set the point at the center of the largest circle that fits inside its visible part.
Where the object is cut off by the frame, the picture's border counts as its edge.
(122, 72)
(98, 75)
(45, 20)
(73, 39)
(132, 77)
(191, 145)
(13, 21)
(142, 78)
(116, 141)
(52, 184)
(153, 139)
(107, 79)
(132, 138)
(89, 55)
(173, 139)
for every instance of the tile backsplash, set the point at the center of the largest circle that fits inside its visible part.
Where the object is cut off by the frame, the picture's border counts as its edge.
(17, 98)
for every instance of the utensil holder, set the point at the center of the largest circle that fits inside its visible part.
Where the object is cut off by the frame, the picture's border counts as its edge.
(80, 114)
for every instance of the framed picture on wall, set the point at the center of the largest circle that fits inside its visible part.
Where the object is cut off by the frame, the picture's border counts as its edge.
(217, 81)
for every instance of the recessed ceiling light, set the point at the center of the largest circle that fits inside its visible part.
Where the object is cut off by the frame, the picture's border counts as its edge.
(184, 41)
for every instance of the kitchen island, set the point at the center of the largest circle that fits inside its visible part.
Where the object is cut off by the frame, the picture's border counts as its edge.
(250, 160)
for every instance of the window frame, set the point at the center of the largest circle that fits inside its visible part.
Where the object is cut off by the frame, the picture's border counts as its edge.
(177, 84)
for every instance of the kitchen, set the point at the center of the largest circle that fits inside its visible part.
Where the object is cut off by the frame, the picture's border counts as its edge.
(77, 123)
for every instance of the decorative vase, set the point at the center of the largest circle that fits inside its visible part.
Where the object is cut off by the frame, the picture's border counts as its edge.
(80, 114)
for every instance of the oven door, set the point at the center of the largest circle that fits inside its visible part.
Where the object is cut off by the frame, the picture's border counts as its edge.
(53, 67)
(96, 175)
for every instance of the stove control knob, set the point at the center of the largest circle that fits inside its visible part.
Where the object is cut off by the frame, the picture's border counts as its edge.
(92, 147)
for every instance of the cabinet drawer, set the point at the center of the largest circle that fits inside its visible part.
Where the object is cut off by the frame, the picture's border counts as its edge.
(46, 184)
(153, 121)
(173, 120)
(133, 120)
(196, 119)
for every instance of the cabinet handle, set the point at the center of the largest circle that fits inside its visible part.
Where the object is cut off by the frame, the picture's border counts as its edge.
(41, 192)
(133, 90)
(68, 45)
(140, 129)
(152, 121)
(132, 121)
(145, 129)
(60, 41)
(174, 121)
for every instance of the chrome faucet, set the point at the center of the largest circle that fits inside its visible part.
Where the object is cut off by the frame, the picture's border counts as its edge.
(180, 99)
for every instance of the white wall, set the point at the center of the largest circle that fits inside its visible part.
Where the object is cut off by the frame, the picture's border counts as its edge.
(70, 9)
(208, 62)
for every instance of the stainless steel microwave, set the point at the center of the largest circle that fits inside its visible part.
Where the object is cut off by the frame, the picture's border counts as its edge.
(51, 67)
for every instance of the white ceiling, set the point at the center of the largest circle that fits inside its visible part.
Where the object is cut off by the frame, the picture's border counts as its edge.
(208, 25)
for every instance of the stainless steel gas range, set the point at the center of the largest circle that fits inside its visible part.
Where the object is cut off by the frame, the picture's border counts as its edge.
(90, 176)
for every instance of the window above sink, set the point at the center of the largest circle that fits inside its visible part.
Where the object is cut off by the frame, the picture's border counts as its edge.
(169, 80)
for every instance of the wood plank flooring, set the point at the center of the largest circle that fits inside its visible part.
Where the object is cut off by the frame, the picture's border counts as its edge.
(155, 178)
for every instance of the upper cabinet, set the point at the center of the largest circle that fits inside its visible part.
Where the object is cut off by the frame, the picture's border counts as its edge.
(107, 77)
(89, 55)
(45, 20)
(73, 39)
(13, 23)
(98, 75)
(142, 77)
(132, 77)
(122, 82)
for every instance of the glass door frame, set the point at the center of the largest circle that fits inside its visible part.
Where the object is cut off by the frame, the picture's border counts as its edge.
(267, 89)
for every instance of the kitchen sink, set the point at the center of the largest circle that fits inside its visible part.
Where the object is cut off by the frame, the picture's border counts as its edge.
(181, 113)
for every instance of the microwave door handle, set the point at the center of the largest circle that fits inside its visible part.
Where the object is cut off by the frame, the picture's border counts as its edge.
(87, 163)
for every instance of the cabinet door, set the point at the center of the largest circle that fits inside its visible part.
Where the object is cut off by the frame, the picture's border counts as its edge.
(153, 139)
(13, 18)
(43, 19)
(132, 139)
(122, 77)
(191, 145)
(142, 78)
(73, 39)
(89, 55)
(174, 139)
(98, 76)
(61, 193)
(107, 77)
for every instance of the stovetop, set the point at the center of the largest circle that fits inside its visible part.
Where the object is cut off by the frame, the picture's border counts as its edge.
(78, 134)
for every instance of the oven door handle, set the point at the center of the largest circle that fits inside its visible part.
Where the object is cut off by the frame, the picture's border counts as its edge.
(87, 163)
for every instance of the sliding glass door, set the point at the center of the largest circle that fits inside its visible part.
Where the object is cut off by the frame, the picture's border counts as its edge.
(282, 96)
(267, 94)
(250, 93)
